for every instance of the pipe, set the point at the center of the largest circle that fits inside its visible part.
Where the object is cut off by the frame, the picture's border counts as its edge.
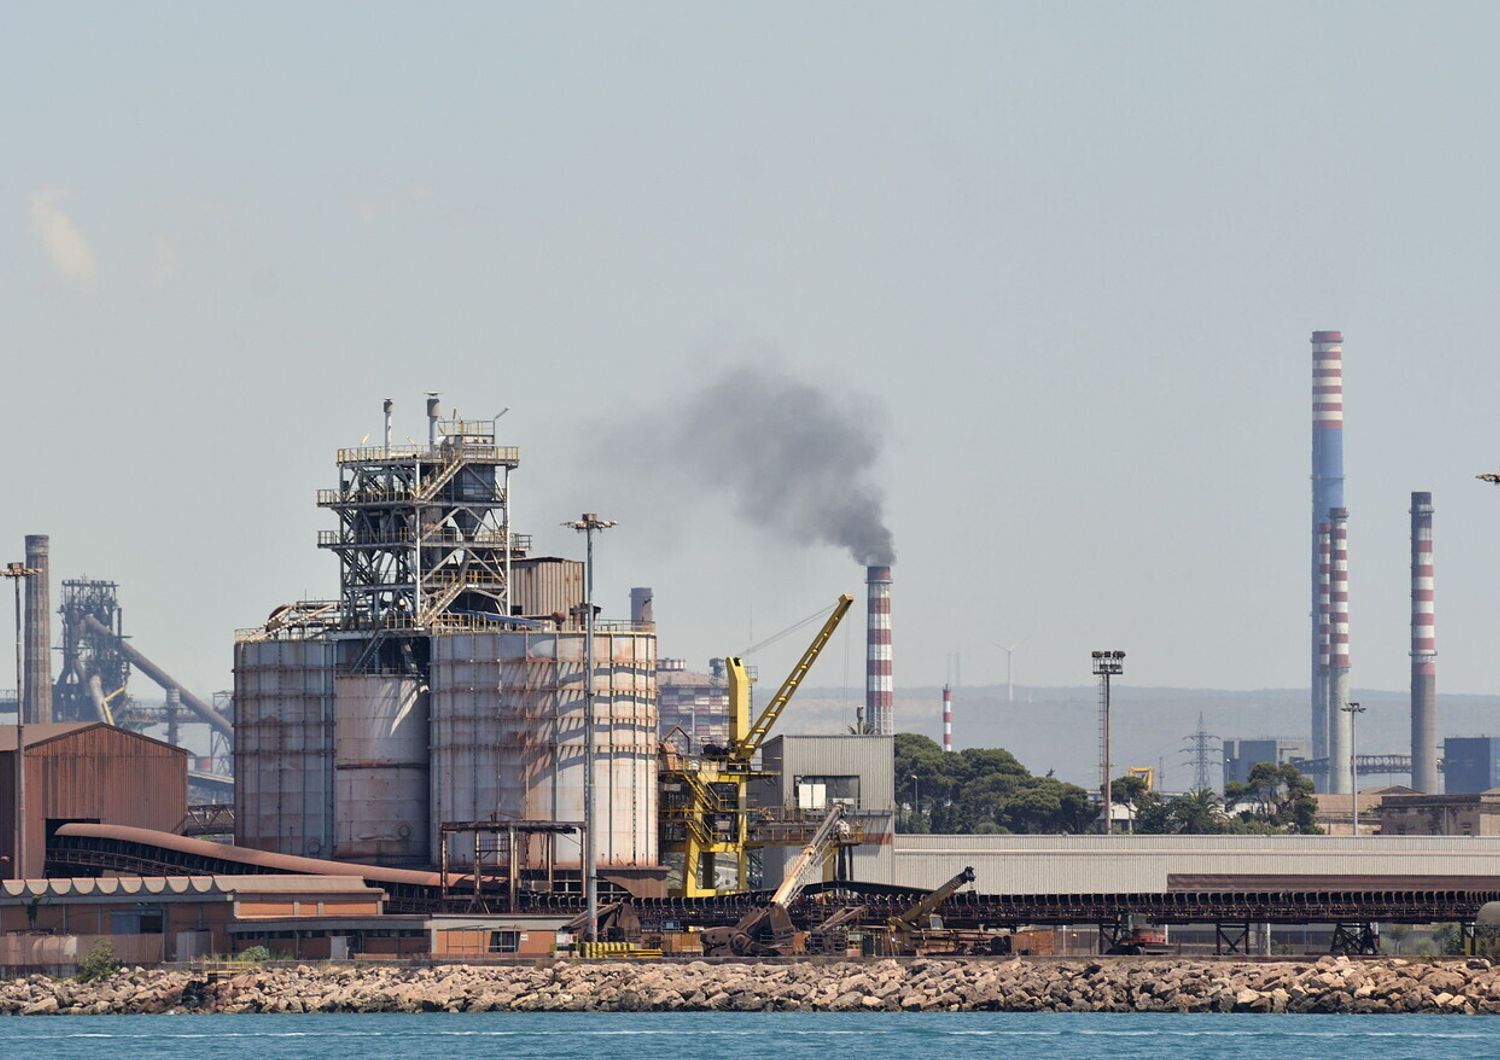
(432, 421)
(161, 677)
(1423, 649)
(1327, 486)
(38, 683)
(879, 689)
(390, 407)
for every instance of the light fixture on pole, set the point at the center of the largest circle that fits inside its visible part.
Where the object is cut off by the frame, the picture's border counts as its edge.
(17, 572)
(1353, 710)
(589, 524)
(1107, 664)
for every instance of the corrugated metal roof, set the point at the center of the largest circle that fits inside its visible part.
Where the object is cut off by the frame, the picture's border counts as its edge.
(44, 732)
(246, 856)
(132, 886)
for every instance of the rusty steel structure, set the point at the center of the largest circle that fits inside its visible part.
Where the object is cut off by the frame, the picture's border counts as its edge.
(86, 849)
(448, 680)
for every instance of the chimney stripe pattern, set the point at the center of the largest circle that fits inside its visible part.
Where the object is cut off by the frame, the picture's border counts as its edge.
(1325, 637)
(1423, 649)
(948, 718)
(1340, 723)
(37, 709)
(1327, 483)
(879, 689)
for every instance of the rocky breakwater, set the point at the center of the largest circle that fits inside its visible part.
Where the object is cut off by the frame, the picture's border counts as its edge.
(1102, 985)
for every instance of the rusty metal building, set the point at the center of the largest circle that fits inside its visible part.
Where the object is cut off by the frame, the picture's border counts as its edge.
(86, 771)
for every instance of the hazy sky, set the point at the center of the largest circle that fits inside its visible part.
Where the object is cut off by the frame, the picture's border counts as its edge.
(1071, 252)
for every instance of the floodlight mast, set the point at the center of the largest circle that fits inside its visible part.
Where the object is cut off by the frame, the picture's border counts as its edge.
(1107, 664)
(588, 525)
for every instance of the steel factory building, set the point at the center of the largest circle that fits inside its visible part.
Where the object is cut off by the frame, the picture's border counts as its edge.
(445, 685)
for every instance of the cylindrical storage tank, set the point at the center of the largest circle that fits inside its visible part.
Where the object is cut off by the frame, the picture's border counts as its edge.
(508, 739)
(464, 726)
(380, 770)
(283, 746)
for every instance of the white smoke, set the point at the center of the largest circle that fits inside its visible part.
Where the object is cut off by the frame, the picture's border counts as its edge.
(69, 252)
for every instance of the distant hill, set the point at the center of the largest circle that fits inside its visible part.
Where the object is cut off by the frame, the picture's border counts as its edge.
(1057, 728)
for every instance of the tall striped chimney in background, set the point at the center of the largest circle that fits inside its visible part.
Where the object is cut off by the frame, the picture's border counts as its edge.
(948, 718)
(1327, 490)
(1423, 649)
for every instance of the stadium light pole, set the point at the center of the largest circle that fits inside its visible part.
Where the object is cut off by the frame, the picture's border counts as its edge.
(589, 524)
(18, 572)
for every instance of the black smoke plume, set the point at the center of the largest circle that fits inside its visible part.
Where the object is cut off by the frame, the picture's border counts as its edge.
(790, 456)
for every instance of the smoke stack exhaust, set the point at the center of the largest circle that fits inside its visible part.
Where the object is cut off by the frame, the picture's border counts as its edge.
(432, 420)
(37, 709)
(390, 406)
(1341, 776)
(879, 689)
(948, 718)
(1327, 491)
(1423, 649)
(640, 606)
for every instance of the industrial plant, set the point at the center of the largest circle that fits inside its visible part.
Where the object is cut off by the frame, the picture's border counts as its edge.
(460, 754)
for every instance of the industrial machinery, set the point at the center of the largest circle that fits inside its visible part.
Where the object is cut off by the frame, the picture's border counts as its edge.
(768, 930)
(704, 808)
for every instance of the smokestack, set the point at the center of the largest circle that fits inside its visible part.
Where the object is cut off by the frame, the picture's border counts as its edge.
(432, 420)
(1325, 639)
(879, 689)
(1423, 649)
(38, 654)
(640, 606)
(1327, 487)
(948, 718)
(389, 408)
(1341, 778)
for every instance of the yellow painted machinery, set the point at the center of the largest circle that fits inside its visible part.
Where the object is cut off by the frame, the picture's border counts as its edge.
(705, 815)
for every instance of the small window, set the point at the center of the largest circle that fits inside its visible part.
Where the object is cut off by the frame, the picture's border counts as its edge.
(505, 941)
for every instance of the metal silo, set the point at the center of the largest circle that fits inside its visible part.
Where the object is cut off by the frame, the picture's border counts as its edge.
(283, 745)
(381, 761)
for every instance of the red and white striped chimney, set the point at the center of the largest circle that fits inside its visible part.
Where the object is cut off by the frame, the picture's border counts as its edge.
(1341, 778)
(880, 692)
(948, 718)
(1325, 638)
(1423, 649)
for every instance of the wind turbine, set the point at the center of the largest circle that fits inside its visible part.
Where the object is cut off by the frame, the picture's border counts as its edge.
(1010, 652)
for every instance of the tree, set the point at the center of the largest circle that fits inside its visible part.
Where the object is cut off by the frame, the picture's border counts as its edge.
(984, 789)
(1199, 812)
(1280, 798)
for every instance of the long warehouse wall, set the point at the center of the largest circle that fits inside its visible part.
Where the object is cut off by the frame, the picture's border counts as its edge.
(1102, 865)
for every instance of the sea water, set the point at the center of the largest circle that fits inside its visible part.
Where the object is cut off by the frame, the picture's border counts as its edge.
(749, 1036)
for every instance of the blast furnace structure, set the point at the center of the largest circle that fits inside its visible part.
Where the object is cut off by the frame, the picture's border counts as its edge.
(445, 684)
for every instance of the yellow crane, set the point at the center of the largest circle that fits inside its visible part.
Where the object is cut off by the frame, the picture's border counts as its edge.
(704, 804)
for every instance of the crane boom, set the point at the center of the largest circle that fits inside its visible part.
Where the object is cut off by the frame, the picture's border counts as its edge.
(910, 919)
(745, 746)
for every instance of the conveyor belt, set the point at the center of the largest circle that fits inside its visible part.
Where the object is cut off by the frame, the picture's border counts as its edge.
(90, 849)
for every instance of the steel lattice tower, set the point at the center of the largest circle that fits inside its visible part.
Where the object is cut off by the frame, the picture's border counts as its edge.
(1199, 752)
(424, 536)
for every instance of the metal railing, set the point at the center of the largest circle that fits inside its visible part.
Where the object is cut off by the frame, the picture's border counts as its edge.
(468, 451)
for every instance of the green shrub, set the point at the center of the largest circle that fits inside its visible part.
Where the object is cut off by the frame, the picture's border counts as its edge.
(100, 962)
(255, 954)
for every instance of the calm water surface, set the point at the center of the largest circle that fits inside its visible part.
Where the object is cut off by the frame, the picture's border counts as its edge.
(750, 1036)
